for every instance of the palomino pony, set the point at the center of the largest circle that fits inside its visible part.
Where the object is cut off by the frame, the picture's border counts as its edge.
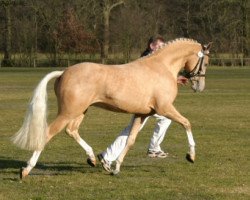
(145, 86)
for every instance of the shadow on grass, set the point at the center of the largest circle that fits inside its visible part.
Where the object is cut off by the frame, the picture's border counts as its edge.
(8, 165)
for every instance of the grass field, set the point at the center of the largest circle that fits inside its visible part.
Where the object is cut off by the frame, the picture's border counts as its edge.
(220, 118)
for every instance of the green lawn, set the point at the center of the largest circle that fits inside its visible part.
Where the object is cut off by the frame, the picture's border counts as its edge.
(220, 118)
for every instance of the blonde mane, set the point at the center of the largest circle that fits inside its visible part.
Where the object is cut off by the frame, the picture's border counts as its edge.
(171, 42)
(180, 40)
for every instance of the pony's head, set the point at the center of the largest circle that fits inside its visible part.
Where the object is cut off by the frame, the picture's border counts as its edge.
(195, 68)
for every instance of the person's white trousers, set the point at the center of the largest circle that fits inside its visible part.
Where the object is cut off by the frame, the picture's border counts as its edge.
(114, 150)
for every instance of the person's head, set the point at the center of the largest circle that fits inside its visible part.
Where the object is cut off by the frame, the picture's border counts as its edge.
(155, 42)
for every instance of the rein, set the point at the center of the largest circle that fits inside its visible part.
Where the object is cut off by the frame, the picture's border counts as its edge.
(196, 72)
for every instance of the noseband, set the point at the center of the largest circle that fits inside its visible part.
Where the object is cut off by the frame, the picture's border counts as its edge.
(196, 72)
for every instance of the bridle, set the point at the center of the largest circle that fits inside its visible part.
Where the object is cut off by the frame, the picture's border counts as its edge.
(196, 72)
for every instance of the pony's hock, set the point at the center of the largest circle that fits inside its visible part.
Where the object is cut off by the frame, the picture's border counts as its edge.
(145, 86)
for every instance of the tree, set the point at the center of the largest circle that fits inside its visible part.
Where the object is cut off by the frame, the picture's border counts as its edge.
(120, 26)
(245, 8)
(70, 35)
(7, 32)
(107, 6)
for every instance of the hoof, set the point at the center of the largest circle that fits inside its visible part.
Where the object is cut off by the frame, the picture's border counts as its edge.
(23, 173)
(92, 163)
(115, 172)
(190, 158)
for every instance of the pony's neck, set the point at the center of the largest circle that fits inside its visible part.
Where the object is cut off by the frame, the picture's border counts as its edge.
(176, 55)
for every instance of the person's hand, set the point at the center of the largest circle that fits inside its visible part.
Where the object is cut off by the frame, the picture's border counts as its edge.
(182, 80)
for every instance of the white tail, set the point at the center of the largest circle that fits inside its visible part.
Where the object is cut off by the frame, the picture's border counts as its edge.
(32, 134)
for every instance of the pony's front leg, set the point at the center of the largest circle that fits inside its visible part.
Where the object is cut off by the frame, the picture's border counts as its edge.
(170, 112)
(30, 164)
(136, 125)
(191, 154)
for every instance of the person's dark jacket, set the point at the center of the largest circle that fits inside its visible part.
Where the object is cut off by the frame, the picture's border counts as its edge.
(146, 52)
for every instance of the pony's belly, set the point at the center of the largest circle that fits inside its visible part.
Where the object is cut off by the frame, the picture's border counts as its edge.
(124, 108)
(109, 107)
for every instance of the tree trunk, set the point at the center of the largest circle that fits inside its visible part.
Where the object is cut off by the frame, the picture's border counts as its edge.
(107, 7)
(36, 37)
(245, 7)
(7, 37)
(105, 46)
(186, 32)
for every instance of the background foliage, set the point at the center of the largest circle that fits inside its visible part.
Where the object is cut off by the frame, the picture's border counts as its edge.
(110, 29)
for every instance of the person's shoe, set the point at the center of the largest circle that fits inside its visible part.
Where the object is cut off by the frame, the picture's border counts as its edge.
(157, 154)
(106, 165)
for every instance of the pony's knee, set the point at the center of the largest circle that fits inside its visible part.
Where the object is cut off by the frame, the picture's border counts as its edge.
(187, 125)
(70, 133)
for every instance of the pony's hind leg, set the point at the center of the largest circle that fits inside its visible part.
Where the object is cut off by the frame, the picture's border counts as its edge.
(30, 164)
(72, 130)
(55, 127)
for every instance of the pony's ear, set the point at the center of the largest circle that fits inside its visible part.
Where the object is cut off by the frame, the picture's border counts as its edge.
(206, 47)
